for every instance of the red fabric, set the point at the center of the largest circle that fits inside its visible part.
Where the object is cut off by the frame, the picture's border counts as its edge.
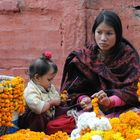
(62, 123)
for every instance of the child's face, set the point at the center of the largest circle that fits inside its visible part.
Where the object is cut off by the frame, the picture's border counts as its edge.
(46, 80)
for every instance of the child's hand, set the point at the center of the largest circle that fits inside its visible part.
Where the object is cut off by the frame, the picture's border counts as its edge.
(86, 104)
(54, 102)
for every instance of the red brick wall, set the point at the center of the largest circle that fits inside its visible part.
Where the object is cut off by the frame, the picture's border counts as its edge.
(29, 27)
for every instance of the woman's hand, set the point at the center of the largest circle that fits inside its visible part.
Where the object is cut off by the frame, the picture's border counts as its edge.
(102, 97)
(86, 104)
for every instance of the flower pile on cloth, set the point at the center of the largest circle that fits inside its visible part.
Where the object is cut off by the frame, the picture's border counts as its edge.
(26, 134)
(126, 127)
(87, 122)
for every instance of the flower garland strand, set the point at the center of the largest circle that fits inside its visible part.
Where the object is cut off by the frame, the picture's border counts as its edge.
(64, 96)
(97, 112)
(18, 98)
(138, 90)
(11, 99)
(6, 105)
(96, 107)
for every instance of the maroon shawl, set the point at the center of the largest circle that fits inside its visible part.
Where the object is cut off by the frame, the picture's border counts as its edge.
(116, 73)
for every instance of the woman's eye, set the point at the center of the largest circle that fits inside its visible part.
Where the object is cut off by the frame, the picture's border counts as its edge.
(99, 32)
(109, 33)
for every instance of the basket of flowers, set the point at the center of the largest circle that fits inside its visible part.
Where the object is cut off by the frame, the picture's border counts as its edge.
(12, 102)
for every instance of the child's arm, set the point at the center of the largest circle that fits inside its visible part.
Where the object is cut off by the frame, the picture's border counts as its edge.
(33, 101)
(48, 104)
(46, 107)
(36, 104)
(54, 101)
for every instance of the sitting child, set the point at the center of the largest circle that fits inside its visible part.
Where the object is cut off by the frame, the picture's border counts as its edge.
(40, 94)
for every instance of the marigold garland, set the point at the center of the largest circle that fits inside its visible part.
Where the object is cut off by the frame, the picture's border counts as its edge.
(11, 99)
(64, 96)
(96, 110)
(96, 107)
(138, 90)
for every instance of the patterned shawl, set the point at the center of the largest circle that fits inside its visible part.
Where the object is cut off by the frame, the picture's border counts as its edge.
(87, 71)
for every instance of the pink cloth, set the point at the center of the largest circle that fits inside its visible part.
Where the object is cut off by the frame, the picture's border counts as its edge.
(80, 98)
(116, 101)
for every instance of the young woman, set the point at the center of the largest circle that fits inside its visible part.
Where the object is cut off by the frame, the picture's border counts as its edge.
(108, 70)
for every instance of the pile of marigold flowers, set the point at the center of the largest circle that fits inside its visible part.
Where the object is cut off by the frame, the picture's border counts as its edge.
(26, 134)
(11, 99)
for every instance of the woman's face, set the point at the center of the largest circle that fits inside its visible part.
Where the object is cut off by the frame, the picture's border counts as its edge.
(105, 37)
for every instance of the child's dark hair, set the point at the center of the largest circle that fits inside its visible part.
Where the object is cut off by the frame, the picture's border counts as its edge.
(41, 66)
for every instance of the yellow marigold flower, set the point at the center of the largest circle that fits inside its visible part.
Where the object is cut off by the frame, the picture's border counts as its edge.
(138, 84)
(138, 90)
(96, 107)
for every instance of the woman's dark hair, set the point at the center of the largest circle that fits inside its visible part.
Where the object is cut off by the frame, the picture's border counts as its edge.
(41, 66)
(111, 19)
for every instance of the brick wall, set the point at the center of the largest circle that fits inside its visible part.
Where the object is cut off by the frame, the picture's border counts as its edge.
(29, 27)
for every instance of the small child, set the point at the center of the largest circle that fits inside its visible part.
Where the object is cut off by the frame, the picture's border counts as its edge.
(40, 94)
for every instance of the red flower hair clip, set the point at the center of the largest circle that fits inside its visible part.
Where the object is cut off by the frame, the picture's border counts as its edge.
(48, 55)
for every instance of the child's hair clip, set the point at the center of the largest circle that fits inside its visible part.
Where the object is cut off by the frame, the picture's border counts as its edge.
(47, 54)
